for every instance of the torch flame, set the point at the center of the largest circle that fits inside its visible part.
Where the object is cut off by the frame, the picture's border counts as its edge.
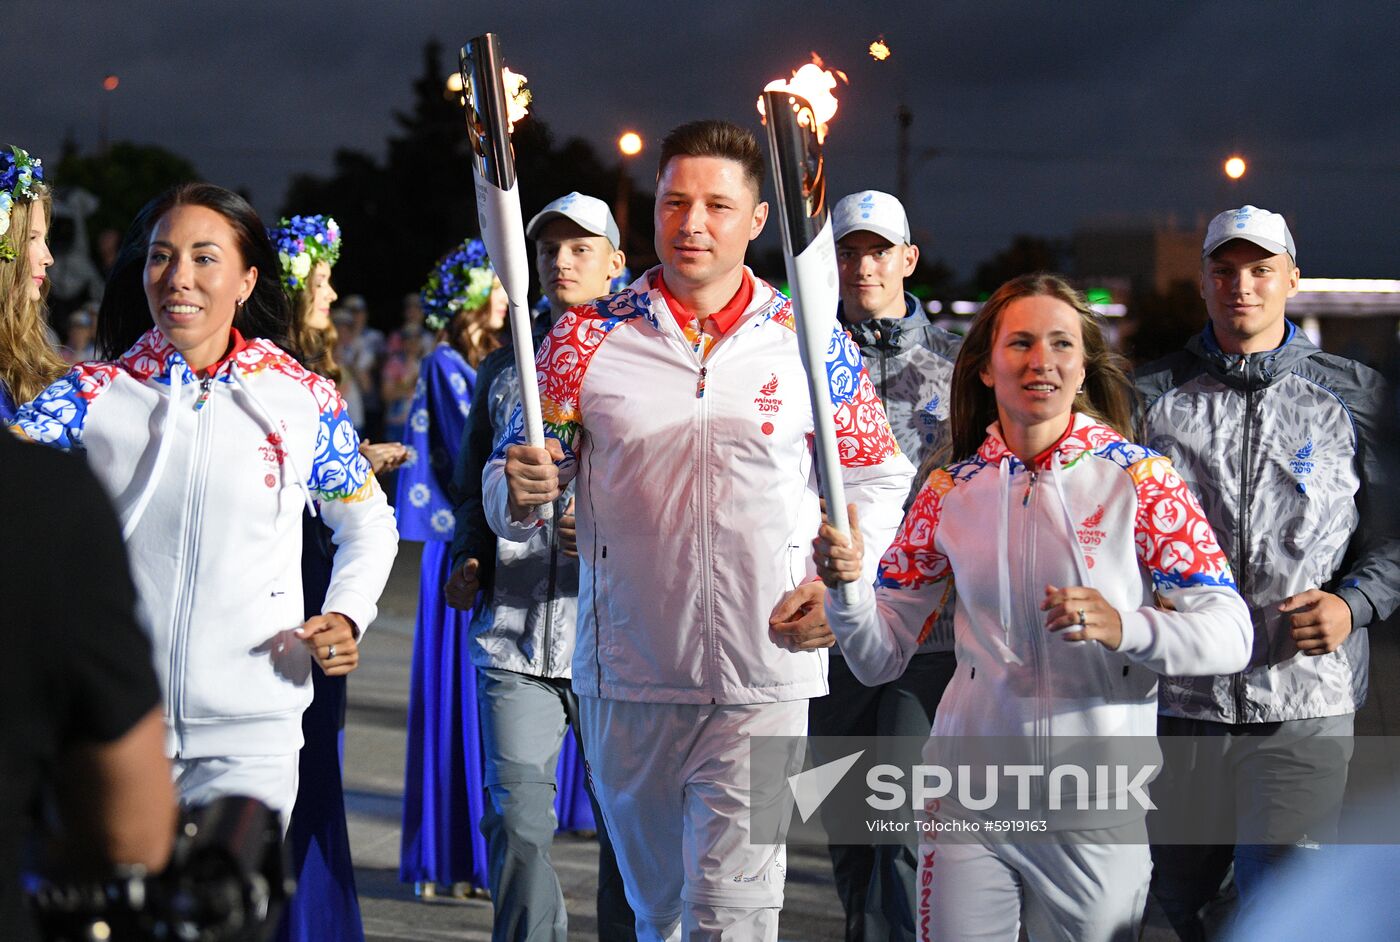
(814, 83)
(517, 97)
(879, 50)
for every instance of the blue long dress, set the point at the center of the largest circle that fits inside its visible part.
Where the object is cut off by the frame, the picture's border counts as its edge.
(443, 794)
(325, 905)
(444, 781)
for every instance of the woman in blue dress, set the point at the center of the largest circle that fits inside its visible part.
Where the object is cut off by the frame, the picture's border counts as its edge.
(28, 362)
(443, 792)
(325, 905)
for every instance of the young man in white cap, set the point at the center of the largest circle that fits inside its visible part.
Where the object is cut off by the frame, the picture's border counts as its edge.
(911, 363)
(1281, 442)
(680, 407)
(522, 635)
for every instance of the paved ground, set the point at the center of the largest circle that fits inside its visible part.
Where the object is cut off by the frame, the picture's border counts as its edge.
(374, 755)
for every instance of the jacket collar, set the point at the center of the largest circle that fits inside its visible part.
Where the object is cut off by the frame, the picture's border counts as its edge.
(887, 333)
(155, 357)
(1252, 370)
(644, 296)
(1085, 433)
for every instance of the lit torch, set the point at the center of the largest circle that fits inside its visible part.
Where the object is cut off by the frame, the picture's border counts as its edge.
(796, 113)
(496, 98)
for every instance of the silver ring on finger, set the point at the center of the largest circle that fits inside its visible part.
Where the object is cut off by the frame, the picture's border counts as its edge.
(1082, 621)
(330, 652)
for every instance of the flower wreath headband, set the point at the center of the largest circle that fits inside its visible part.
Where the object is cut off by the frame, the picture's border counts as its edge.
(302, 242)
(462, 280)
(21, 180)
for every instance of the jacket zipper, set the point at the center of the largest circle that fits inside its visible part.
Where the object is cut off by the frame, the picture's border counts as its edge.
(1243, 545)
(184, 597)
(707, 607)
(1042, 719)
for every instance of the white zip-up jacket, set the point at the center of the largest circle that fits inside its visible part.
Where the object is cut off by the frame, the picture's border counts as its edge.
(209, 478)
(1098, 511)
(697, 492)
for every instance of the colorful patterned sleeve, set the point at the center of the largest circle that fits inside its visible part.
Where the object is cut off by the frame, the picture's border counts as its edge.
(57, 415)
(561, 364)
(1173, 537)
(863, 434)
(913, 564)
(339, 471)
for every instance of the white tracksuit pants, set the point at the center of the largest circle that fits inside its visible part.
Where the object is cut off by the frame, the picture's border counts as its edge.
(1077, 890)
(673, 780)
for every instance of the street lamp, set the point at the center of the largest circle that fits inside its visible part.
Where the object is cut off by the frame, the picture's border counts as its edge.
(630, 145)
(452, 88)
(1235, 167)
(109, 85)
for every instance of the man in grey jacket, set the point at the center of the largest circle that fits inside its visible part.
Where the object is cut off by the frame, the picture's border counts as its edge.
(910, 362)
(522, 635)
(1282, 442)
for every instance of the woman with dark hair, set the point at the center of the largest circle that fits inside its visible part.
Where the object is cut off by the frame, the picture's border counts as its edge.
(1103, 574)
(211, 438)
(28, 361)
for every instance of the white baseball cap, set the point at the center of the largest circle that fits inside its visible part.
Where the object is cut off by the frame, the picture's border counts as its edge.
(872, 211)
(1259, 226)
(588, 212)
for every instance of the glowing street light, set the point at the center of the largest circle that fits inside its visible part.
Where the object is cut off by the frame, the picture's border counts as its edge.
(630, 143)
(1235, 167)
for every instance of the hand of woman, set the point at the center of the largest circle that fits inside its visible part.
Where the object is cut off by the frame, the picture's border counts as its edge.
(384, 456)
(1082, 614)
(332, 641)
(838, 557)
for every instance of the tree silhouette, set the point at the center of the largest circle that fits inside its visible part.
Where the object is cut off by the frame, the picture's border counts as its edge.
(123, 178)
(399, 217)
(1025, 255)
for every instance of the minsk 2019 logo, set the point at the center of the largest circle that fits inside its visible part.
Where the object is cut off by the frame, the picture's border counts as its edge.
(1090, 536)
(766, 400)
(1302, 464)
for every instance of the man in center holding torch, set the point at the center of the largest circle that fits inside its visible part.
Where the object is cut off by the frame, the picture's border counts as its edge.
(680, 408)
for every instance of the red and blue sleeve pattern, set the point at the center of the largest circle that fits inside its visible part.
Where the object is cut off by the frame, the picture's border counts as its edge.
(563, 361)
(339, 471)
(863, 434)
(1174, 539)
(913, 564)
(57, 415)
(912, 561)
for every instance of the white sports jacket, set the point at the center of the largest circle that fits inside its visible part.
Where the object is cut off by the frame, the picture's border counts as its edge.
(209, 478)
(1098, 512)
(697, 492)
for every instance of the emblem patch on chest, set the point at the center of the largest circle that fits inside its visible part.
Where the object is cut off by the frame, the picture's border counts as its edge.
(767, 399)
(1089, 534)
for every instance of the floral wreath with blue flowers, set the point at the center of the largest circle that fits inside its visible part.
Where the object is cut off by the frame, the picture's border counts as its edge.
(301, 243)
(21, 180)
(461, 280)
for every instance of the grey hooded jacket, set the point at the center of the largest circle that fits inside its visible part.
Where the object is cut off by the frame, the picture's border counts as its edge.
(910, 361)
(525, 620)
(1284, 449)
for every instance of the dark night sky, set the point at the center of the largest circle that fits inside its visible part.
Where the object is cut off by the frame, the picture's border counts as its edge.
(1043, 115)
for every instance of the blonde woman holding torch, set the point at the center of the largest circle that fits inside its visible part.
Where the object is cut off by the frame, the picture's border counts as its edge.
(1087, 527)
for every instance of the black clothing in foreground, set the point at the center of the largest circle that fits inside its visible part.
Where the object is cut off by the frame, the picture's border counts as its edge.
(76, 666)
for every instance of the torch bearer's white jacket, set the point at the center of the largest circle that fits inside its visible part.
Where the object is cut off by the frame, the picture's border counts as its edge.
(210, 478)
(1097, 511)
(697, 492)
